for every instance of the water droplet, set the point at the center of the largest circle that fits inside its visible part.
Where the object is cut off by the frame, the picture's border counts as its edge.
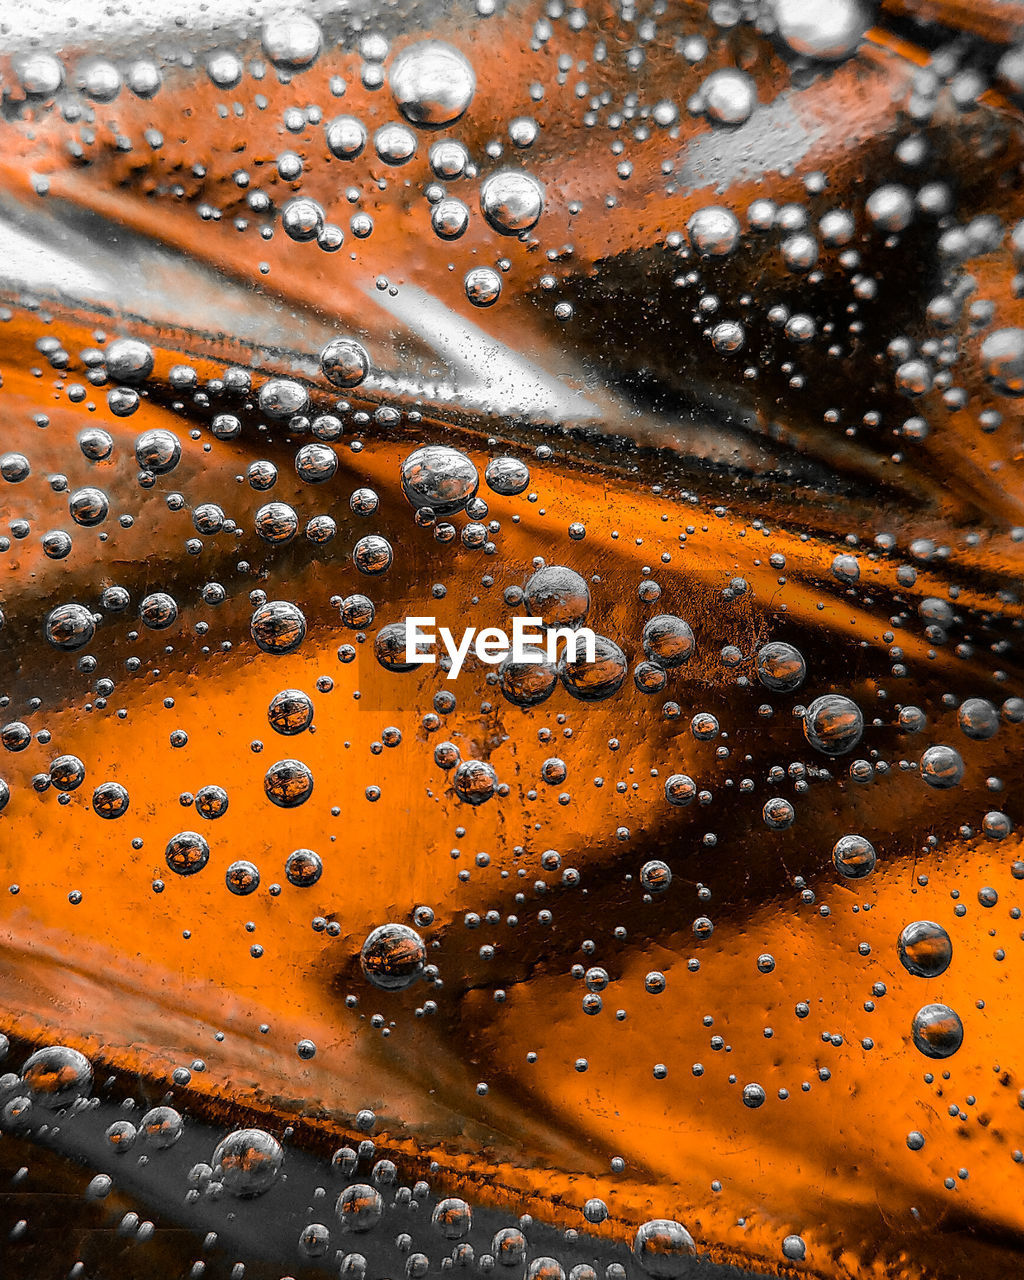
(432, 82)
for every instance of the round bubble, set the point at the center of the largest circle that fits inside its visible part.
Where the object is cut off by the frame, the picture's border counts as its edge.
(158, 611)
(357, 612)
(825, 32)
(224, 68)
(439, 477)
(714, 230)
(211, 802)
(680, 789)
(290, 711)
(854, 857)
(833, 724)
(483, 286)
(978, 718)
(372, 555)
(110, 800)
(40, 74)
(57, 1075)
(509, 1247)
(890, 208)
(668, 640)
(303, 868)
(392, 957)
(558, 596)
(70, 626)
(1002, 358)
(344, 362)
(15, 467)
(937, 1031)
(664, 1248)
(88, 507)
(778, 813)
(475, 781)
(302, 219)
(346, 137)
(315, 1240)
(161, 1127)
(595, 1211)
(530, 682)
(389, 648)
(278, 627)
(942, 767)
(597, 680)
(247, 1162)
(655, 876)
(288, 783)
(291, 40)
(187, 853)
(360, 1207)
(507, 476)
(453, 1218)
(448, 159)
(242, 878)
(512, 201)
(276, 523)
(432, 83)
(283, 398)
(729, 95)
(96, 444)
(449, 219)
(780, 667)
(924, 949)
(394, 144)
(67, 773)
(794, 1248)
(846, 569)
(129, 360)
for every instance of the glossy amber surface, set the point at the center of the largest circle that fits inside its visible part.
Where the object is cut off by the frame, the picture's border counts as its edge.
(699, 325)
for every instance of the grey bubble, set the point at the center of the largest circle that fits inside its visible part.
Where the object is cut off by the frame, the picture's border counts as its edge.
(475, 781)
(432, 83)
(392, 957)
(942, 767)
(278, 627)
(924, 949)
(664, 1248)
(346, 137)
(129, 360)
(512, 201)
(937, 1031)
(668, 640)
(57, 1076)
(597, 680)
(283, 398)
(439, 477)
(344, 362)
(559, 596)
(507, 476)
(247, 1162)
(70, 627)
(833, 724)
(291, 40)
(713, 230)
(527, 683)
(187, 853)
(780, 666)
(854, 857)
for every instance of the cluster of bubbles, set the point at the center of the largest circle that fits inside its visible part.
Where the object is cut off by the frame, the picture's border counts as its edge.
(494, 203)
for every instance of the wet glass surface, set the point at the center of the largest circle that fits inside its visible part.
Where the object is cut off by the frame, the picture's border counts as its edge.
(692, 330)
